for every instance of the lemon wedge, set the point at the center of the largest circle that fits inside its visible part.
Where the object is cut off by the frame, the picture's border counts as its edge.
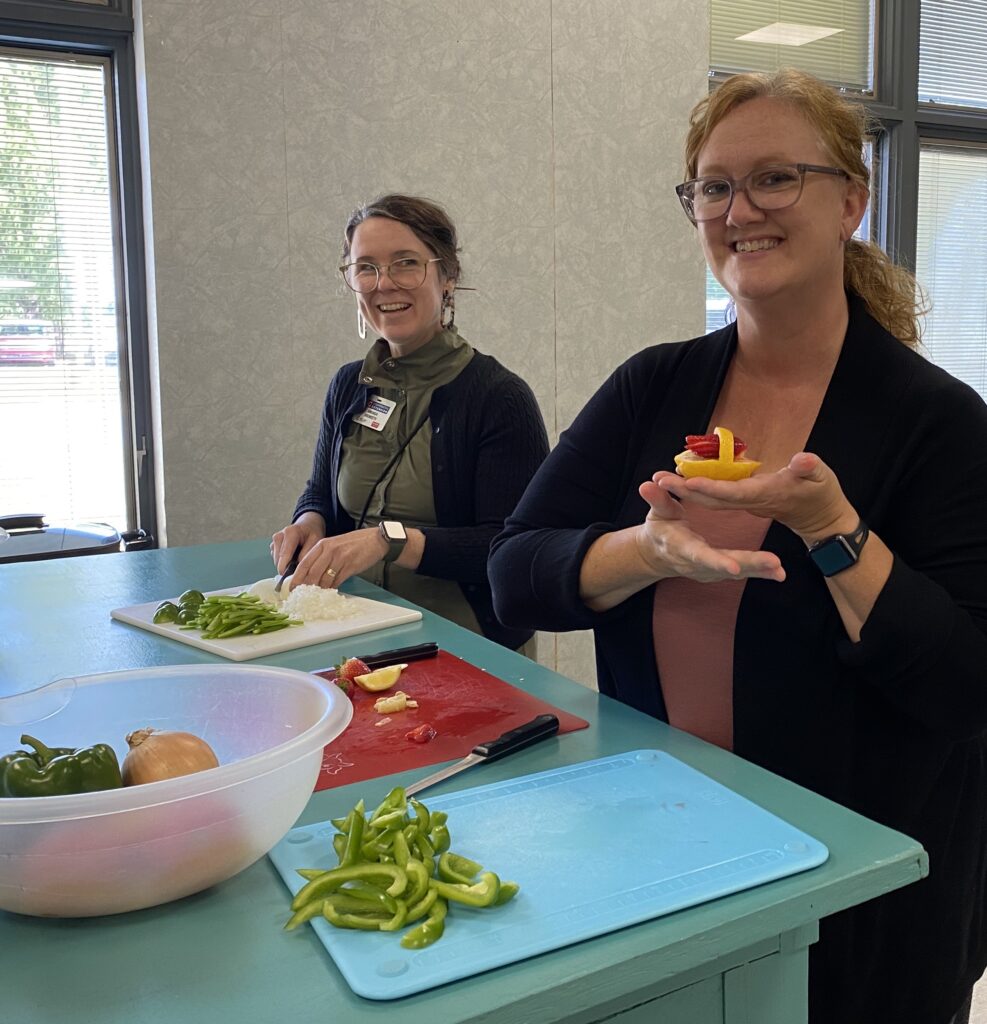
(380, 679)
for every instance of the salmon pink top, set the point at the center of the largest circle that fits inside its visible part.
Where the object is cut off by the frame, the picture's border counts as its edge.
(693, 627)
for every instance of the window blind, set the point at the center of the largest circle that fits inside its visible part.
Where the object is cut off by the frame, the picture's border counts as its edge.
(951, 254)
(61, 401)
(953, 37)
(832, 39)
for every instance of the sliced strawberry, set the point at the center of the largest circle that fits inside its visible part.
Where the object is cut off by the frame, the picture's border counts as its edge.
(349, 668)
(707, 446)
(422, 734)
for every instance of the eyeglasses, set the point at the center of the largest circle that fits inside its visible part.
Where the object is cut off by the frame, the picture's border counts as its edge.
(407, 272)
(767, 188)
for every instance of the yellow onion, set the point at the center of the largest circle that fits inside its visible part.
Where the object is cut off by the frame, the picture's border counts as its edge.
(157, 754)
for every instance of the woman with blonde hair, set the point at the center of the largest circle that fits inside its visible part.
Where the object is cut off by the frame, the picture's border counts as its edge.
(825, 617)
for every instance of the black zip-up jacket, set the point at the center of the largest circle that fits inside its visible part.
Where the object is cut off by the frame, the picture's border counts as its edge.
(488, 438)
(894, 726)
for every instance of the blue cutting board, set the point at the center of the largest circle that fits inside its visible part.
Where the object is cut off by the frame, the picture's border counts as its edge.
(595, 847)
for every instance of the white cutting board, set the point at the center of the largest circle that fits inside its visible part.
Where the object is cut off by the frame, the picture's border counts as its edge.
(371, 615)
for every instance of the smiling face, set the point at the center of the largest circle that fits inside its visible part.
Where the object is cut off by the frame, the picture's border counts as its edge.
(791, 254)
(405, 318)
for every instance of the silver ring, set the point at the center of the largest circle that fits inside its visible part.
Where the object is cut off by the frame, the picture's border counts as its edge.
(331, 573)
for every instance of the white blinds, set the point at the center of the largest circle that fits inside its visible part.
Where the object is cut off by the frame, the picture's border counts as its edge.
(952, 69)
(832, 39)
(61, 419)
(951, 255)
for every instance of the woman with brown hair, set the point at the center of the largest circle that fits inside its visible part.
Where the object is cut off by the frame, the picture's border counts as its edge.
(826, 617)
(426, 444)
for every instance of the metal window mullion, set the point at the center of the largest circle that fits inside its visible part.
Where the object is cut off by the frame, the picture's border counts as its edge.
(897, 109)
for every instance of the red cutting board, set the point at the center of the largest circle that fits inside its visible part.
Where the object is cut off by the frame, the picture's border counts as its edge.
(464, 704)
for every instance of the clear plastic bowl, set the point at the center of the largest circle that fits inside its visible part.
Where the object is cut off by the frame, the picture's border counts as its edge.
(104, 853)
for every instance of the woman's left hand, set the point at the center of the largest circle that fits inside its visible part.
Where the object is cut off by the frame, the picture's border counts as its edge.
(333, 560)
(805, 496)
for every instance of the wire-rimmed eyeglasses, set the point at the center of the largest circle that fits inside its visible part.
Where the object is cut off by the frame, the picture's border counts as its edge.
(407, 272)
(767, 188)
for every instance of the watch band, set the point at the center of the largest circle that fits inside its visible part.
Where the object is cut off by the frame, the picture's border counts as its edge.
(834, 554)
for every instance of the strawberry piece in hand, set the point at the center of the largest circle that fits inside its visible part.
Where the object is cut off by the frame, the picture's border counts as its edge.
(707, 446)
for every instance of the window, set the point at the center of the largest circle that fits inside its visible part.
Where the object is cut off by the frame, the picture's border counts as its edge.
(831, 39)
(951, 255)
(74, 382)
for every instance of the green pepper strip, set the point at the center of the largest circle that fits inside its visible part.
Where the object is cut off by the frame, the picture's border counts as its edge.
(438, 818)
(338, 845)
(399, 848)
(352, 848)
(439, 837)
(416, 911)
(368, 894)
(363, 921)
(395, 800)
(328, 883)
(418, 876)
(507, 892)
(429, 930)
(345, 903)
(483, 893)
(453, 868)
(425, 849)
(390, 821)
(307, 912)
(310, 873)
(422, 816)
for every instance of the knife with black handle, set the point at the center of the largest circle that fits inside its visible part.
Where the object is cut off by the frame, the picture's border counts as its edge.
(539, 728)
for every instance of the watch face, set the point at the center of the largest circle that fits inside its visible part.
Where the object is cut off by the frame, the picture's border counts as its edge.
(394, 531)
(833, 556)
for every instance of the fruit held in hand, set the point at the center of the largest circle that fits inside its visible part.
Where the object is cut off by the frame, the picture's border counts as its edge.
(725, 461)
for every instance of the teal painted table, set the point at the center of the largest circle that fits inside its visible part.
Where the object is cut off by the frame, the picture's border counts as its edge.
(220, 956)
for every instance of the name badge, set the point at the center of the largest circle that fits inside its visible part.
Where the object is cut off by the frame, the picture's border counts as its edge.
(376, 414)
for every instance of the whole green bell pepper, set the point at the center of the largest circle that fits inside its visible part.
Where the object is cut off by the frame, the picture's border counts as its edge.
(58, 771)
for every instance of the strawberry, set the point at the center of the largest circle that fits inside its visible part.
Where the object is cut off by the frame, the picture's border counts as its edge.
(348, 669)
(422, 734)
(707, 446)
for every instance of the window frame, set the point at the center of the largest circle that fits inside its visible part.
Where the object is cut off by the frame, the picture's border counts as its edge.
(107, 30)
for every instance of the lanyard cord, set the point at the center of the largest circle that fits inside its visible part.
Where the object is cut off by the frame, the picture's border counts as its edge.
(394, 458)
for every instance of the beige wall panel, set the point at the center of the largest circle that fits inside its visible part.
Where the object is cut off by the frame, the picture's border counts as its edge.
(628, 269)
(551, 132)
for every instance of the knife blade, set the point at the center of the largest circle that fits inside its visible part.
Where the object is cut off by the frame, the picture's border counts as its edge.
(291, 567)
(539, 728)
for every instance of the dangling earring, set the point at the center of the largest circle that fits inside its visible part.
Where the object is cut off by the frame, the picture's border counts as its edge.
(448, 305)
(361, 323)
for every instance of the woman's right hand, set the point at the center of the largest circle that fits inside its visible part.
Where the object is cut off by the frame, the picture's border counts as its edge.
(297, 539)
(669, 546)
(619, 564)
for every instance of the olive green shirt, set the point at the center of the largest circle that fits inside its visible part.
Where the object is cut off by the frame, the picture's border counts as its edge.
(405, 490)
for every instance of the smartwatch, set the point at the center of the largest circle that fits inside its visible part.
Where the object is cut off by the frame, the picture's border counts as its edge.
(839, 552)
(395, 536)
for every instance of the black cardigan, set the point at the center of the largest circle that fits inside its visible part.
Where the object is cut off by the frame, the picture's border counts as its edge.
(893, 726)
(488, 438)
